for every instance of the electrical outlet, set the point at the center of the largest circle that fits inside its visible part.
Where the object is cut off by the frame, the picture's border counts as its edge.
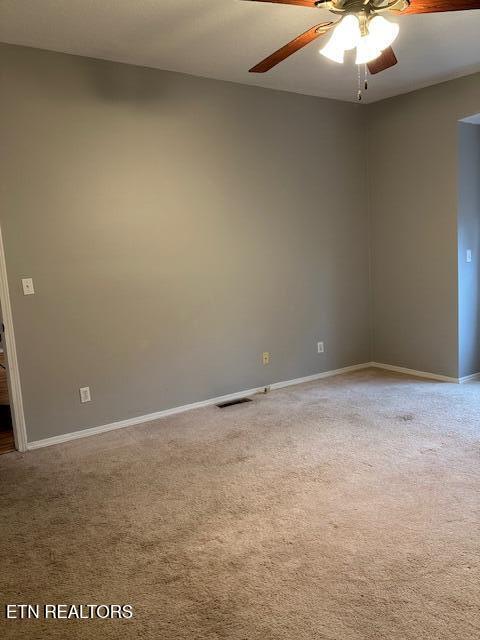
(266, 357)
(320, 347)
(85, 394)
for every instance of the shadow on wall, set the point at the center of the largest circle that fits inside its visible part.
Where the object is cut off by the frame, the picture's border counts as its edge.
(116, 83)
(469, 246)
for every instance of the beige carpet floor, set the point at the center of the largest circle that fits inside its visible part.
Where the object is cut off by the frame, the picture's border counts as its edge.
(345, 509)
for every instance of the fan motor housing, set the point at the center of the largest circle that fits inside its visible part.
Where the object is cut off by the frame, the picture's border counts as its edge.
(360, 6)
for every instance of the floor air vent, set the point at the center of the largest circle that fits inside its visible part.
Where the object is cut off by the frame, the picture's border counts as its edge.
(224, 405)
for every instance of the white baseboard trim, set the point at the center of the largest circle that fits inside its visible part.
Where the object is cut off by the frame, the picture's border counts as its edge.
(470, 378)
(130, 422)
(413, 372)
(319, 376)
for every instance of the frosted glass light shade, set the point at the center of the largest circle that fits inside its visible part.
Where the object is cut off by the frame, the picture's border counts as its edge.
(382, 32)
(345, 36)
(347, 33)
(332, 51)
(367, 50)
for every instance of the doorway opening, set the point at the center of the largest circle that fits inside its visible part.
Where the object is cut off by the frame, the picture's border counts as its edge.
(468, 236)
(13, 434)
(7, 438)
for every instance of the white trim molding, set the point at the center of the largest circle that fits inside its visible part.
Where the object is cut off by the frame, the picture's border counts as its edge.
(15, 388)
(319, 376)
(413, 372)
(470, 378)
(130, 422)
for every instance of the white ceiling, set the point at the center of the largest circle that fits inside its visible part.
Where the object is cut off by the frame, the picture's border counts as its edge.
(224, 38)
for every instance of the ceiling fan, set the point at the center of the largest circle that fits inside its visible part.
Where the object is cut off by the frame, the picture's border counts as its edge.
(361, 26)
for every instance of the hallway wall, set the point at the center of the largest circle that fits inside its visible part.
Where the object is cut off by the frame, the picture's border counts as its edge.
(413, 156)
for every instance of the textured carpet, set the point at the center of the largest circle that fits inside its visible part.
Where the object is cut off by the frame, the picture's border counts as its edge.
(344, 509)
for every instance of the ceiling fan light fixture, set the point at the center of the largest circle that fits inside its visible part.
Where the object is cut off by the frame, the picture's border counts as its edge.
(382, 31)
(367, 50)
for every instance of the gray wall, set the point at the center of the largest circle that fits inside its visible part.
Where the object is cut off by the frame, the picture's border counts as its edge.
(413, 142)
(175, 228)
(469, 239)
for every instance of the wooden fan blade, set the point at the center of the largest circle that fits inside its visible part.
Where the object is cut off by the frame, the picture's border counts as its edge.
(437, 6)
(298, 3)
(292, 47)
(385, 61)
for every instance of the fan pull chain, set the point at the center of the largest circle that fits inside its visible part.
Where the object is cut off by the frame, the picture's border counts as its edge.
(361, 84)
